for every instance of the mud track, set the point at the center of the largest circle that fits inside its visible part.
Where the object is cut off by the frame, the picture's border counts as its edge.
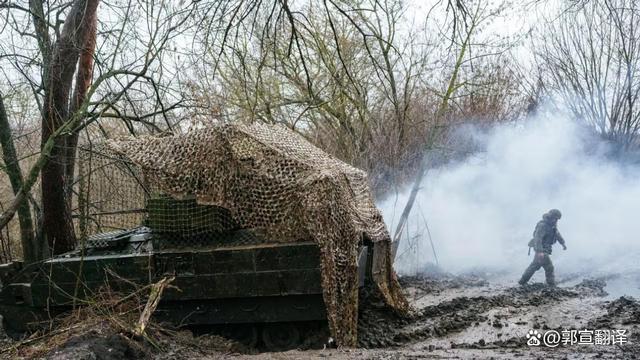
(379, 328)
(469, 317)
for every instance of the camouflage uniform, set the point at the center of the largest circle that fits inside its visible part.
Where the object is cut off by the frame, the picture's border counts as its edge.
(544, 236)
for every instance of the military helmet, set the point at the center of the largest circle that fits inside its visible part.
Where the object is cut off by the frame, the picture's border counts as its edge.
(554, 214)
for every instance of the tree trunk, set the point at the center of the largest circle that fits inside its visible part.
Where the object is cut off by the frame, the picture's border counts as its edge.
(84, 76)
(57, 224)
(30, 249)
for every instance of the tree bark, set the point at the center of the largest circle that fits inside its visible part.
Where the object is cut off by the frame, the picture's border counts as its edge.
(30, 248)
(84, 76)
(57, 224)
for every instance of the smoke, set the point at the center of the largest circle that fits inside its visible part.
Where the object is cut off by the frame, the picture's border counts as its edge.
(480, 211)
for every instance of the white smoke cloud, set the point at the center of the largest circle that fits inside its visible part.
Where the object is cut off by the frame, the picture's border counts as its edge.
(481, 211)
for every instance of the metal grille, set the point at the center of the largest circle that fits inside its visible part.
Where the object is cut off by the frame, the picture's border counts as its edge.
(112, 192)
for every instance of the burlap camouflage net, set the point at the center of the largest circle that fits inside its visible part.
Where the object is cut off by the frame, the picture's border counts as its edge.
(273, 180)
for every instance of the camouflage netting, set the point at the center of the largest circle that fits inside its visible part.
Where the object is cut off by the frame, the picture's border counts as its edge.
(273, 180)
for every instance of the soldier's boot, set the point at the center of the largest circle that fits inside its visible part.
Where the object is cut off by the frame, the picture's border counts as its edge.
(528, 273)
(549, 271)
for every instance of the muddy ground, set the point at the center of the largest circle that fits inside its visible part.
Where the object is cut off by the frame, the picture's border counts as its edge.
(461, 317)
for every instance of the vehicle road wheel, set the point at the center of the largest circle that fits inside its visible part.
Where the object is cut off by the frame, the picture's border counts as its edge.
(280, 336)
(11, 332)
(247, 335)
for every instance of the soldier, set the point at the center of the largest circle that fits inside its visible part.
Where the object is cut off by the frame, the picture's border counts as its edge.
(544, 236)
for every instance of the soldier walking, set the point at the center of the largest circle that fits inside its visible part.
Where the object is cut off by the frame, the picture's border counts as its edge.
(544, 236)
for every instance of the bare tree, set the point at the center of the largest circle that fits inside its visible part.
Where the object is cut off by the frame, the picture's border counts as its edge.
(77, 36)
(591, 60)
(31, 248)
(465, 80)
(129, 71)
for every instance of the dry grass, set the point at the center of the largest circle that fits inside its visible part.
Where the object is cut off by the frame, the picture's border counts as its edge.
(107, 315)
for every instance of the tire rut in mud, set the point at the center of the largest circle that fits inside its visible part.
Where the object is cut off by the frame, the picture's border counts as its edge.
(379, 327)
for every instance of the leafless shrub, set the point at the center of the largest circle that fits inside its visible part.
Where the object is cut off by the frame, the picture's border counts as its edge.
(591, 58)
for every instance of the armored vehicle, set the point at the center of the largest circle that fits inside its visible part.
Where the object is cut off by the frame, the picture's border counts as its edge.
(262, 231)
(250, 288)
